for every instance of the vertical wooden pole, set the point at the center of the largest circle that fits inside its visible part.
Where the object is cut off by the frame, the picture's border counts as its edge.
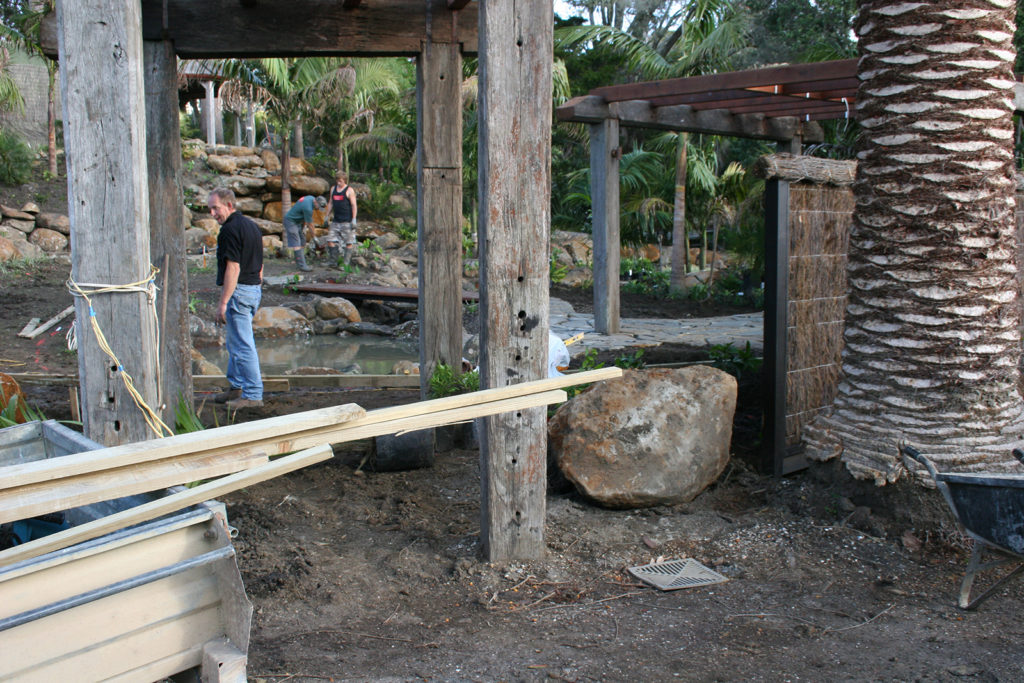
(250, 125)
(604, 201)
(776, 295)
(439, 210)
(166, 227)
(515, 48)
(100, 48)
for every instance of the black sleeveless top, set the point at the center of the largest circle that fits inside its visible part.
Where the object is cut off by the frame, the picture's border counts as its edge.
(342, 205)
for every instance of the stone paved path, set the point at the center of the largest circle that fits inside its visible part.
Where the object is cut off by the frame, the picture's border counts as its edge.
(639, 332)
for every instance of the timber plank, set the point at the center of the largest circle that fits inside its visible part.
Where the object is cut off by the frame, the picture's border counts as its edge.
(370, 291)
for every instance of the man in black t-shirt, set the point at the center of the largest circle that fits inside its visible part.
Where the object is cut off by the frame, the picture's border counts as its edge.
(240, 276)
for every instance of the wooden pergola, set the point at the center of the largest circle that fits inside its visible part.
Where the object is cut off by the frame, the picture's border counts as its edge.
(119, 92)
(782, 104)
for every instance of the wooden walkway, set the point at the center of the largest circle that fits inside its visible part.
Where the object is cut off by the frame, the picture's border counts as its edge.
(362, 292)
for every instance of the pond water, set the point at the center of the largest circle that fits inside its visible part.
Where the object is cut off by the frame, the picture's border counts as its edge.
(374, 355)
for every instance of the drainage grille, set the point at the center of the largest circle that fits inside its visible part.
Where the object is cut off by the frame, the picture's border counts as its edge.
(674, 574)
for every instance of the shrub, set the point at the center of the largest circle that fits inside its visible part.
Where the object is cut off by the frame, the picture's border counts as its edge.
(15, 159)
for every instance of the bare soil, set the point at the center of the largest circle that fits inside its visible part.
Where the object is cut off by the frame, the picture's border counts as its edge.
(358, 575)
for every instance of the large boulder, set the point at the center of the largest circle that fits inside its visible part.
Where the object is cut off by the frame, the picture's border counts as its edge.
(7, 250)
(204, 333)
(244, 185)
(273, 211)
(48, 240)
(577, 245)
(24, 227)
(250, 206)
(272, 322)
(270, 161)
(11, 212)
(54, 221)
(202, 366)
(268, 227)
(222, 163)
(329, 308)
(229, 150)
(210, 225)
(654, 437)
(197, 238)
(300, 185)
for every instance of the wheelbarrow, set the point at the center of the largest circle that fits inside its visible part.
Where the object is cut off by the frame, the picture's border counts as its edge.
(990, 507)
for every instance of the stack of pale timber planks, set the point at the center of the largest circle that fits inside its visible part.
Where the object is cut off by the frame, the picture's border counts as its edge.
(240, 451)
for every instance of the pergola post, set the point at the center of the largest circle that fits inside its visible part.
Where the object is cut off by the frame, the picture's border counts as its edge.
(439, 206)
(166, 227)
(604, 201)
(209, 109)
(515, 46)
(101, 78)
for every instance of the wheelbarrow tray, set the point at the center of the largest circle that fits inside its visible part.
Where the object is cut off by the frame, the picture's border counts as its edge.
(139, 604)
(990, 507)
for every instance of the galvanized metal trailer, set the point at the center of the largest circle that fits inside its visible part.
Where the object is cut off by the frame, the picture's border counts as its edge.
(140, 604)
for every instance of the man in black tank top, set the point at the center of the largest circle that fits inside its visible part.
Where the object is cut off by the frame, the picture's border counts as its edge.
(342, 209)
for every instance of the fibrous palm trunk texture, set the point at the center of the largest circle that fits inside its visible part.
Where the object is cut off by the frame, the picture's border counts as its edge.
(932, 337)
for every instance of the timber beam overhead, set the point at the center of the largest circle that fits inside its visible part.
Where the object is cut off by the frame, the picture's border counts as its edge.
(642, 114)
(218, 29)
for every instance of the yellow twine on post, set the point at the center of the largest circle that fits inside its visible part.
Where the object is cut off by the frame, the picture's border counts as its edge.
(147, 287)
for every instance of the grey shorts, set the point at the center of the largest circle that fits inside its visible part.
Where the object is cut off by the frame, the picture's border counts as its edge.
(341, 232)
(292, 234)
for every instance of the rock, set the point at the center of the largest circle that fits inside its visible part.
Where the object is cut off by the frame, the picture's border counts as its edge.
(222, 164)
(197, 238)
(388, 241)
(250, 206)
(403, 200)
(651, 252)
(405, 367)
(306, 308)
(8, 212)
(30, 208)
(313, 370)
(270, 161)
(368, 328)
(48, 240)
(578, 277)
(337, 307)
(654, 437)
(202, 366)
(26, 249)
(579, 245)
(300, 185)
(398, 266)
(21, 226)
(268, 227)
(193, 149)
(273, 322)
(326, 326)
(244, 186)
(9, 389)
(229, 150)
(204, 333)
(210, 225)
(273, 211)
(272, 244)
(408, 252)
(54, 221)
(7, 250)
(249, 160)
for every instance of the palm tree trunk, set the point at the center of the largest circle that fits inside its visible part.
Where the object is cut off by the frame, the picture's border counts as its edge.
(299, 143)
(286, 162)
(680, 235)
(933, 339)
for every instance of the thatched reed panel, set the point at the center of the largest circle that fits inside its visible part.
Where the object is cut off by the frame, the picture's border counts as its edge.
(819, 228)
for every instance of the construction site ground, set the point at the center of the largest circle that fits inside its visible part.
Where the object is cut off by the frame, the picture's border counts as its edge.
(358, 575)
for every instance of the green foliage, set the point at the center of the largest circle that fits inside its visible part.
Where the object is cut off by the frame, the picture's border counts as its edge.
(11, 408)
(185, 418)
(644, 277)
(631, 361)
(446, 382)
(19, 267)
(406, 232)
(189, 129)
(193, 304)
(288, 287)
(558, 270)
(737, 362)
(15, 159)
(378, 204)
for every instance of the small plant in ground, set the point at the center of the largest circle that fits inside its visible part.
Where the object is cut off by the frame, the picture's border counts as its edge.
(737, 362)
(193, 304)
(406, 233)
(558, 269)
(15, 159)
(632, 361)
(185, 418)
(289, 286)
(11, 409)
(19, 267)
(446, 382)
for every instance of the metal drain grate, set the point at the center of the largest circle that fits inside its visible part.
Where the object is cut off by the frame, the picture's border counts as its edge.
(674, 574)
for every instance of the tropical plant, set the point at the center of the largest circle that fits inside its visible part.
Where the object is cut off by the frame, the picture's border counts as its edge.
(446, 382)
(737, 362)
(15, 159)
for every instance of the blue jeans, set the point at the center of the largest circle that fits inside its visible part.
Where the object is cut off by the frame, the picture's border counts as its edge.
(243, 362)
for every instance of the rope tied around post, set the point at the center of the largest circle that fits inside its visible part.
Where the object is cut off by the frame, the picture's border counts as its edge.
(147, 286)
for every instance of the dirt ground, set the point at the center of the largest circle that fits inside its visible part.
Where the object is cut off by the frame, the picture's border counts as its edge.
(358, 575)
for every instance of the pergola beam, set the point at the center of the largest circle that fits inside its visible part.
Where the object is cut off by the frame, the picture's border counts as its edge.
(641, 114)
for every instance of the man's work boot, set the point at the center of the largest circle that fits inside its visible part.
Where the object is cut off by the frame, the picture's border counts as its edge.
(300, 261)
(237, 403)
(332, 253)
(229, 395)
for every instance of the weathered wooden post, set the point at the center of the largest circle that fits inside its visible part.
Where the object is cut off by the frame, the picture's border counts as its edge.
(209, 112)
(166, 228)
(604, 202)
(439, 200)
(515, 47)
(100, 48)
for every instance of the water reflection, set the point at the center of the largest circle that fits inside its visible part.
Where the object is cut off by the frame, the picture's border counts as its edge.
(375, 355)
